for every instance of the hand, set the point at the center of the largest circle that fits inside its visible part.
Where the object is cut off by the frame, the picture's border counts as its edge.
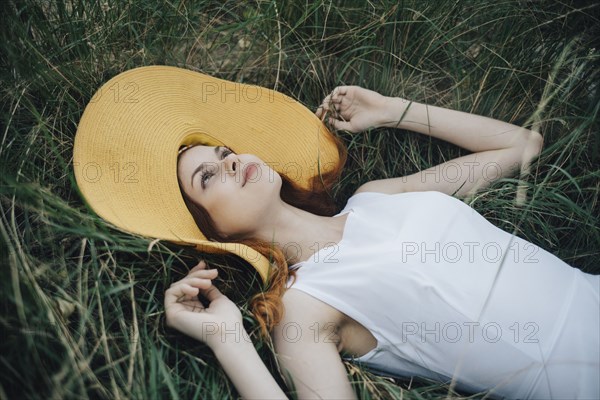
(353, 108)
(186, 313)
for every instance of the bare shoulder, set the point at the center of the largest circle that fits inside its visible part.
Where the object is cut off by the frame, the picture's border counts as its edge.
(387, 186)
(307, 348)
(302, 308)
(307, 317)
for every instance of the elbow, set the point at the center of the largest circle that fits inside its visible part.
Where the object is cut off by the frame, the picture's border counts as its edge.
(531, 147)
(536, 143)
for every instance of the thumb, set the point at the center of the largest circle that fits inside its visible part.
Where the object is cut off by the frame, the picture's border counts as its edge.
(341, 125)
(212, 293)
(319, 111)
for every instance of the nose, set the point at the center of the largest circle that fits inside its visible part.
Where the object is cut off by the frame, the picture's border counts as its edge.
(232, 164)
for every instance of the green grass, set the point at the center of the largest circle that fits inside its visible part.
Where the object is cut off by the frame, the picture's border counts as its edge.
(82, 312)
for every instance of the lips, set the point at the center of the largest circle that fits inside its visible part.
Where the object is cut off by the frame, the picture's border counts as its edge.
(248, 171)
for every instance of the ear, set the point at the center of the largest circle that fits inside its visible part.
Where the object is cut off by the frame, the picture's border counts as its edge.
(223, 235)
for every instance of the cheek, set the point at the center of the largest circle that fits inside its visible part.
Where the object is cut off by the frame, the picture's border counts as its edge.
(222, 202)
(264, 188)
(265, 177)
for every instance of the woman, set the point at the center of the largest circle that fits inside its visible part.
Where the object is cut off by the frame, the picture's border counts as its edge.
(313, 331)
(315, 366)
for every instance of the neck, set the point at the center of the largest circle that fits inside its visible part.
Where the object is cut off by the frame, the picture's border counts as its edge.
(300, 233)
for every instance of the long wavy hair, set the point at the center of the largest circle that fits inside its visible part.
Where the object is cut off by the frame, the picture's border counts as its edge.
(266, 305)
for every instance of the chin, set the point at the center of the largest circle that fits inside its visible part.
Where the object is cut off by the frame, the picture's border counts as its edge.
(272, 177)
(277, 182)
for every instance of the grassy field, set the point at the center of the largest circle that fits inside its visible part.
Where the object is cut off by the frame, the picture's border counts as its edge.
(82, 312)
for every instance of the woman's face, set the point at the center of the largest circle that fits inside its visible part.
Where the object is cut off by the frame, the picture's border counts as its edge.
(237, 190)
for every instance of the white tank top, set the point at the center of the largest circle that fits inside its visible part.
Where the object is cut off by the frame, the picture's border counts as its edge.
(449, 296)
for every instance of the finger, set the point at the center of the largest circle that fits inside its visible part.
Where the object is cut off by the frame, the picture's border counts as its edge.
(339, 92)
(204, 273)
(178, 293)
(341, 125)
(207, 275)
(335, 99)
(189, 290)
(201, 283)
(212, 293)
(326, 102)
(323, 115)
(319, 112)
(199, 279)
(331, 107)
(326, 109)
(200, 265)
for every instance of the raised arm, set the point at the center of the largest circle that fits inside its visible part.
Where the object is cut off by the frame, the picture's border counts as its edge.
(219, 326)
(500, 148)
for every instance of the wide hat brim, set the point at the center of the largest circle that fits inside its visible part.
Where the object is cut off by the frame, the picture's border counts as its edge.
(126, 147)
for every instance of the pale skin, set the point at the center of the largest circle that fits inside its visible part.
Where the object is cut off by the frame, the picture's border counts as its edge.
(251, 206)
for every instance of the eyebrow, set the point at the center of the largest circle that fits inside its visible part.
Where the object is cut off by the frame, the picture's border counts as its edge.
(202, 165)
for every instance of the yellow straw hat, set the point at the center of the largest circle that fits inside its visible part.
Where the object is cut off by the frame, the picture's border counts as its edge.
(126, 147)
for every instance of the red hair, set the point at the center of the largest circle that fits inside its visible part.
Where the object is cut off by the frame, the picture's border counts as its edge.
(267, 306)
